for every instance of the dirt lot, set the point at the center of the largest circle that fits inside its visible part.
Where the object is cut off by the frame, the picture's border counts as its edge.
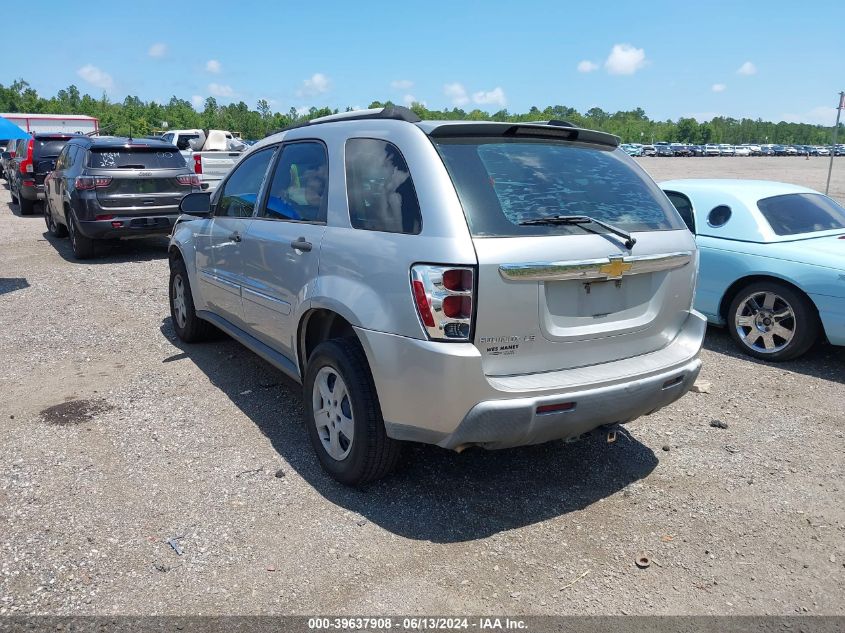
(116, 438)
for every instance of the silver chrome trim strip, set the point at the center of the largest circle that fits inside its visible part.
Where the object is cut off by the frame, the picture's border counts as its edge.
(613, 267)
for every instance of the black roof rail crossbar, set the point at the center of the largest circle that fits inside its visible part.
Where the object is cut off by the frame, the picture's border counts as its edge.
(397, 113)
(535, 129)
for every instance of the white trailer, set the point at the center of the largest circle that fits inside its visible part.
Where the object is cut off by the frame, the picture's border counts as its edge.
(68, 123)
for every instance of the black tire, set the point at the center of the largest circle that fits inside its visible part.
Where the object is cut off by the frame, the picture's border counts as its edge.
(54, 228)
(83, 247)
(745, 323)
(372, 454)
(187, 325)
(27, 206)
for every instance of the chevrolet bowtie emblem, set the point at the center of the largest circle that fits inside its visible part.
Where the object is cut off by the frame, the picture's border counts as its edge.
(615, 268)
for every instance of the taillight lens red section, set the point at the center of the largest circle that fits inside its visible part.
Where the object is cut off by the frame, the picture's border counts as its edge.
(444, 298)
(26, 166)
(423, 306)
(189, 181)
(197, 164)
(104, 217)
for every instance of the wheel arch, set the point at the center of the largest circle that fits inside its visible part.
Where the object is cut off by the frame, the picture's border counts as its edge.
(747, 280)
(319, 324)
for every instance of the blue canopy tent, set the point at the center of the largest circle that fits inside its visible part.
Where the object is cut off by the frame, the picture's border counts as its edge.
(9, 130)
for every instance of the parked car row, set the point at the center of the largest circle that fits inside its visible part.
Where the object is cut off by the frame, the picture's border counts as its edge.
(725, 149)
(385, 263)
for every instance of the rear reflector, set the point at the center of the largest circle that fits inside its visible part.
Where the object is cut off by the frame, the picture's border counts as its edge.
(555, 408)
(28, 183)
(117, 224)
(103, 217)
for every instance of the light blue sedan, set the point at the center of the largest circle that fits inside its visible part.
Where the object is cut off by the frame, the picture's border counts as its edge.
(772, 265)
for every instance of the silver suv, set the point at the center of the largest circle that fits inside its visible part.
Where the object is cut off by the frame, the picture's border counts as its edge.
(449, 282)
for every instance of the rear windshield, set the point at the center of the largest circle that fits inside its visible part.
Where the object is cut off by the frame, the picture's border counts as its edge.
(135, 158)
(48, 147)
(796, 213)
(502, 182)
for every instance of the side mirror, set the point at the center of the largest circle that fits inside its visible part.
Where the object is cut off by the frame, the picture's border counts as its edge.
(197, 203)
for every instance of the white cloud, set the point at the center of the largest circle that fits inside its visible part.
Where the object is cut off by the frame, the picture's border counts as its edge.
(701, 117)
(303, 111)
(197, 101)
(220, 90)
(494, 97)
(820, 115)
(747, 69)
(625, 59)
(96, 77)
(587, 66)
(213, 66)
(159, 49)
(719, 87)
(317, 84)
(457, 93)
(410, 99)
(402, 84)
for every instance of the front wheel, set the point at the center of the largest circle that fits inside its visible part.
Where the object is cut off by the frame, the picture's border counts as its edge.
(343, 415)
(54, 228)
(772, 321)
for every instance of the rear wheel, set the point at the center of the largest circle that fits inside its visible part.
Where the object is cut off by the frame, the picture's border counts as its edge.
(83, 247)
(343, 415)
(187, 325)
(773, 321)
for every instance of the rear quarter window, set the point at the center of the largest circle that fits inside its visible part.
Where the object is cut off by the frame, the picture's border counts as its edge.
(125, 158)
(796, 213)
(379, 188)
(502, 182)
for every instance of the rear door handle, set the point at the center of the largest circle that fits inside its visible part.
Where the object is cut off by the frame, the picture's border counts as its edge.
(301, 245)
(235, 237)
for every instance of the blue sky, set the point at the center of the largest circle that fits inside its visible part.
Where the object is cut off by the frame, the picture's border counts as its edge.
(774, 60)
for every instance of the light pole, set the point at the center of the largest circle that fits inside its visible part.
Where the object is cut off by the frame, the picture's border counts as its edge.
(835, 134)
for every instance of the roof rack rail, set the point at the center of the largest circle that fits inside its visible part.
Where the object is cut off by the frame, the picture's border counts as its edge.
(560, 123)
(396, 113)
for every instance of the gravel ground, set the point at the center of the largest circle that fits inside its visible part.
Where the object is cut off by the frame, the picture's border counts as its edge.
(120, 446)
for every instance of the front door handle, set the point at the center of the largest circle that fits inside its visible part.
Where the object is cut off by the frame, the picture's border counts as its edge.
(301, 245)
(235, 237)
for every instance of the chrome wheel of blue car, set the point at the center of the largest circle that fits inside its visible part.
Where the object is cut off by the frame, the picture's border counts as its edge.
(765, 322)
(773, 321)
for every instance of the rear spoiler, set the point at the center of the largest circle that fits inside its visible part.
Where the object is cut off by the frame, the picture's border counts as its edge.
(534, 129)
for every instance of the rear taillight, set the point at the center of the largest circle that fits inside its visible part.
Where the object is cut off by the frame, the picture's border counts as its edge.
(83, 183)
(444, 297)
(26, 166)
(197, 164)
(189, 181)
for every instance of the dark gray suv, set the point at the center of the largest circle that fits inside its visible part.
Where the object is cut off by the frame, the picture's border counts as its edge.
(115, 188)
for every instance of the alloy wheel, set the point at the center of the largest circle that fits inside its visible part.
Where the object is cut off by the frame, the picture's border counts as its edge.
(765, 322)
(180, 309)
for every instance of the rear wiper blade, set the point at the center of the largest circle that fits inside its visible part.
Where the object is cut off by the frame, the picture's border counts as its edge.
(581, 220)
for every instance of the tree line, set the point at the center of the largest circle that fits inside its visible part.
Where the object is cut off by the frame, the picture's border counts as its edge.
(132, 115)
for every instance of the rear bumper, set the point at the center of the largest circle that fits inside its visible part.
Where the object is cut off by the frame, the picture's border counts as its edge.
(129, 227)
(832, 315)
(437, 393)
(32, 193)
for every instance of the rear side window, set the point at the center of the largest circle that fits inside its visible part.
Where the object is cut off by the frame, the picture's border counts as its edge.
(796, 213)
(684, 207)
(135, 158)
(379, 188)
(48, 147)
(502, 182)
